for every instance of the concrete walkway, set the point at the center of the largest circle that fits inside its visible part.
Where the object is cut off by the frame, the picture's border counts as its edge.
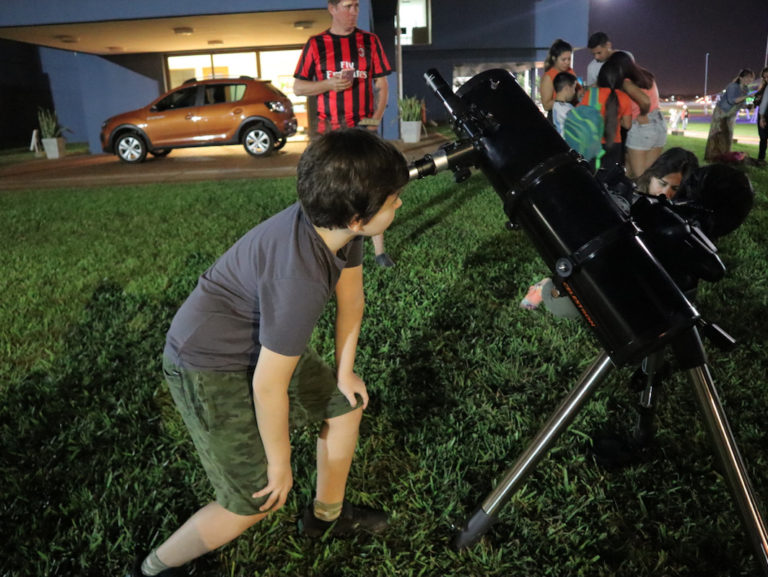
(181, 165)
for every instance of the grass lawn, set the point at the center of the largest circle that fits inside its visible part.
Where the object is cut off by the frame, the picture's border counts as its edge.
(96, 464)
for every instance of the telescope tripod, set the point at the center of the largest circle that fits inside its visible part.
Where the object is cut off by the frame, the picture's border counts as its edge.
(689, 352)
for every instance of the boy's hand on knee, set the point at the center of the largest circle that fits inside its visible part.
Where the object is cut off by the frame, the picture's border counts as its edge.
(280, 482)
(351, 385)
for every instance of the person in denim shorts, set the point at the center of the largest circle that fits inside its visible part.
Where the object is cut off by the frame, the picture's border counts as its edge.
(236, 357)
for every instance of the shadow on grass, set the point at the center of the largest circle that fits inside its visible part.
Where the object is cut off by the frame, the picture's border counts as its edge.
(85, 444)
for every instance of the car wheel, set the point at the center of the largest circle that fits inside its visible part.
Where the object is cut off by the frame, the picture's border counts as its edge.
(280, 143)
(258, 141)
(130, 148)
(160, 152)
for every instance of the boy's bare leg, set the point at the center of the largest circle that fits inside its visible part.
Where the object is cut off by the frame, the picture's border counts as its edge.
(382, 258)
(335, 449)
(208, 529)
(378, 244)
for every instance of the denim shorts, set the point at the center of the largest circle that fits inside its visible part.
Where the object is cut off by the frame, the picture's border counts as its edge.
(218, 411)
(648, 136)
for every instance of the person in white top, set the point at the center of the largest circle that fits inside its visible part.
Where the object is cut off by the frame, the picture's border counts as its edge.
(601, 48)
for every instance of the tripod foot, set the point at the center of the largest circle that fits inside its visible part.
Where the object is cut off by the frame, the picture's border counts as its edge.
(473, 529)
(615, 452)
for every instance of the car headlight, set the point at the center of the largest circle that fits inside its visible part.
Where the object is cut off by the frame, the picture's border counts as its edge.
(276, 106)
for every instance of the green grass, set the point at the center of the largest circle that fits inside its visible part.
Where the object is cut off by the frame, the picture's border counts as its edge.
(96, 463)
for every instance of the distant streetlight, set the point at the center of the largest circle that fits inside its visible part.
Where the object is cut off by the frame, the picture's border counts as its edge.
(706, 77)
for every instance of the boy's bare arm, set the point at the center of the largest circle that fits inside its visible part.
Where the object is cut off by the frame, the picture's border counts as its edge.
(350, 302)
(270, 395)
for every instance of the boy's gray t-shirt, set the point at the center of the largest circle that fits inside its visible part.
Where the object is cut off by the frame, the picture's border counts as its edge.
(268, 289)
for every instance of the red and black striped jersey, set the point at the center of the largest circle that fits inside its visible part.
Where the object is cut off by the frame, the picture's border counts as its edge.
(326, 55)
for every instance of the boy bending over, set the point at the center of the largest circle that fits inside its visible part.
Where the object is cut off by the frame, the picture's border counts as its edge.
(236, 357)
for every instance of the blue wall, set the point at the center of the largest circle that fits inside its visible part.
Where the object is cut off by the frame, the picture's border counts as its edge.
(566, 19)
(88, 89)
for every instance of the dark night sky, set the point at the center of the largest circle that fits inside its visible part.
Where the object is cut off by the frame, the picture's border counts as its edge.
(671, 38)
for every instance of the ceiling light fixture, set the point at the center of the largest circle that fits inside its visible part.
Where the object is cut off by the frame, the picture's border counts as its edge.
(215, 42)
(67, 38)
(184, 31)
(303, 24)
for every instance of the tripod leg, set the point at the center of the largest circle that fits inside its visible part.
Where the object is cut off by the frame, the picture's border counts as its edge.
(485, 515)
(731, 461)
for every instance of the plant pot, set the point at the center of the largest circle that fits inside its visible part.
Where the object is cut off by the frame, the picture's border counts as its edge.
(54, 147)
(410, 130)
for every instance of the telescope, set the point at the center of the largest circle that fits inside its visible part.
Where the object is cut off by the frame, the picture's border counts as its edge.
(629, 275)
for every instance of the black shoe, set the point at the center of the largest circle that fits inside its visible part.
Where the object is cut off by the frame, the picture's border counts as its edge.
(170, 572)
(353, 519)
(383, 260)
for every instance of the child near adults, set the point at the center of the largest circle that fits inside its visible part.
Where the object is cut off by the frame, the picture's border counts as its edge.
(601, 48)
(720, 135)
(236, 357)
(647, 136)
(565, 93)
(761, 101)
(558, 60)
(663, 177)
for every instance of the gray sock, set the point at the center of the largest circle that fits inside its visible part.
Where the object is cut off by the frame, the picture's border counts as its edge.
(327, 511)
(152, 565)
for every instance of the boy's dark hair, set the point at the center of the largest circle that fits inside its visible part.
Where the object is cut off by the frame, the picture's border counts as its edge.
(348, 174)
(563, 79)
(597, 39)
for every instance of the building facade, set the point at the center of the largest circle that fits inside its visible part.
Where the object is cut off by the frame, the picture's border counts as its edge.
(90, 59)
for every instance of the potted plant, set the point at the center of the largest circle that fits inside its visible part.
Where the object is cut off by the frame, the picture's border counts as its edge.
(51, 133)
(410, 118)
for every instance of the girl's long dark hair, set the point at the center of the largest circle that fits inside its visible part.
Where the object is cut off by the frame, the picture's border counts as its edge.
(672, 160)
(637, 74)
(611, 76)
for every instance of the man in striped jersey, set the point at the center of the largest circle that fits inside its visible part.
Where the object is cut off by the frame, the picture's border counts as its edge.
(346, 69)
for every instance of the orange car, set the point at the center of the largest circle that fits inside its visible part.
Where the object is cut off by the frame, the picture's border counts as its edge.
(203, 113)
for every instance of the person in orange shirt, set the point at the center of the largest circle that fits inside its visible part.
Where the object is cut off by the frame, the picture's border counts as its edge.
(558, 60)
(616, 108)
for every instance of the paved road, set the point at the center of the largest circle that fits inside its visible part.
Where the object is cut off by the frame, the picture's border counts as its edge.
(182, 165)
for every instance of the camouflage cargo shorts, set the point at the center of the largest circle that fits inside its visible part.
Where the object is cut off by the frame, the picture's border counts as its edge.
(218, 411)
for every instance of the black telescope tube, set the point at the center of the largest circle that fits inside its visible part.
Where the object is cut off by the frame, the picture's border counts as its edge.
(626, 296)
